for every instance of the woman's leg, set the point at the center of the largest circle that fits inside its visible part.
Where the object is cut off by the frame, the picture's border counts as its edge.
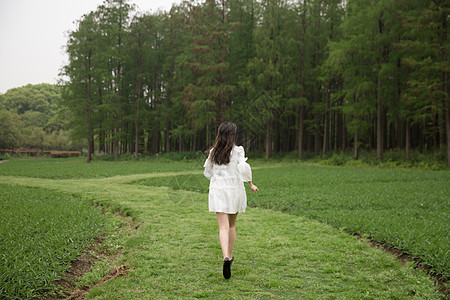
(231, 233)
(227, 232)
(224, 229)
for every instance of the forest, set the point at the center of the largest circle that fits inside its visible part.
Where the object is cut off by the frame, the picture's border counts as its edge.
(304, 76)
(32, 117)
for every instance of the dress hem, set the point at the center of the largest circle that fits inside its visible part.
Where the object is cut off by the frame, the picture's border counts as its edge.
(229, 213)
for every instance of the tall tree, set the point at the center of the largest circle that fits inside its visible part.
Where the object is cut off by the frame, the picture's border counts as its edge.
(207, 98)
(266, 83)
(79, 91)
(114, 20)
(425, 47)
(178, 75)
(333, 18)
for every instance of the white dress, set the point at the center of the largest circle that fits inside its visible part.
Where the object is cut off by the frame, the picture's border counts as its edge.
(226, 189)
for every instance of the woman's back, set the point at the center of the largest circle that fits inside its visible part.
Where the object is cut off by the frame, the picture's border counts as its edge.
(226, 189)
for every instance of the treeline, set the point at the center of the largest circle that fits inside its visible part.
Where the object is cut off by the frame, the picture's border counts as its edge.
(32, 117)
(305, 75)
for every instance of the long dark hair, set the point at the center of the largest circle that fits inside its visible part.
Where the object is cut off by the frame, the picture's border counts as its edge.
(225, 140)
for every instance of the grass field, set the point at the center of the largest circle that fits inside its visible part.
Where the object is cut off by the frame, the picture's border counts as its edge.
(408, 210)
(41, 232)
(176, 253)
(74, 168)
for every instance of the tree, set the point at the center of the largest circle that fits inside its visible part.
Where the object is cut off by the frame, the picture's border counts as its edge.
(307, 75)
(139, 47)
(266, 82)
(113, 21)
(10, 129)
(207, 98)
(177, 49)
(424, 44)
(79, 91)
(33, 109)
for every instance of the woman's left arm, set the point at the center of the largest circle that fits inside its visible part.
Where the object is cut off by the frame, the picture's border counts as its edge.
(208, 167)
(253, 187)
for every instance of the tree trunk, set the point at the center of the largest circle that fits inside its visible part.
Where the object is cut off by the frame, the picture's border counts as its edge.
(407, 139)
(138, 108)
(136, 138)
(445, 83)
(380, 120)
(276, 137)
(89, 150)
(89, 111)
(447, 126)
(166, 134)
(116, 144)
(399, 134)
(317, 139)
(247, 140)
(300, 130)
(380, 136)
(194, 142)
(326, 125)
(343, 134)
(333, 139)
(355, 145)
(302, 83)
(268, 141)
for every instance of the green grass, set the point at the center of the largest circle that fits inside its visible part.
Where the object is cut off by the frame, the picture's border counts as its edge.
(408, 210)
(41, 232)
(175, 253)
(66, 168)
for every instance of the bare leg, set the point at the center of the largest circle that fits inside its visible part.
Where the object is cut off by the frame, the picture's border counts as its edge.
(222, 219)
(231, 234)
(227, 232)
(227, 236)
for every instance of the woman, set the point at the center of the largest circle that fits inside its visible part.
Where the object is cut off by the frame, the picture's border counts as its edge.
(227, 169)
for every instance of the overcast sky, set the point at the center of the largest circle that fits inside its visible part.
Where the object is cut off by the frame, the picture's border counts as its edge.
(33, 33)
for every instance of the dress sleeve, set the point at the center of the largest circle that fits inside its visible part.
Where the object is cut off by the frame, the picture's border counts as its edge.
(208, 167)
(244, 168)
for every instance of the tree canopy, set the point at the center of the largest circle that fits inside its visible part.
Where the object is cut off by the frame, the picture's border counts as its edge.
(32, 117)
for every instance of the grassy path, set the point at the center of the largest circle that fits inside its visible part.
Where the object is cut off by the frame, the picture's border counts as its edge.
(176, 252)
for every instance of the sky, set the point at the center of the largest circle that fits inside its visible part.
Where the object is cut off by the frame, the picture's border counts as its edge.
(33, 34)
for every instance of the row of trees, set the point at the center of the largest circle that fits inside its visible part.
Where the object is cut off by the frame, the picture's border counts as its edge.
(304, 75)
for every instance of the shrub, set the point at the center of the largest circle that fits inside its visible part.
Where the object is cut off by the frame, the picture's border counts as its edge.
(336, 160)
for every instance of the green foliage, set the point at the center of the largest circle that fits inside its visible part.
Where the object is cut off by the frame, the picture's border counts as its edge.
(312, 74)
(32, 118)
(336, 160)
(41, 232)
(40, 98)
(10, 129)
